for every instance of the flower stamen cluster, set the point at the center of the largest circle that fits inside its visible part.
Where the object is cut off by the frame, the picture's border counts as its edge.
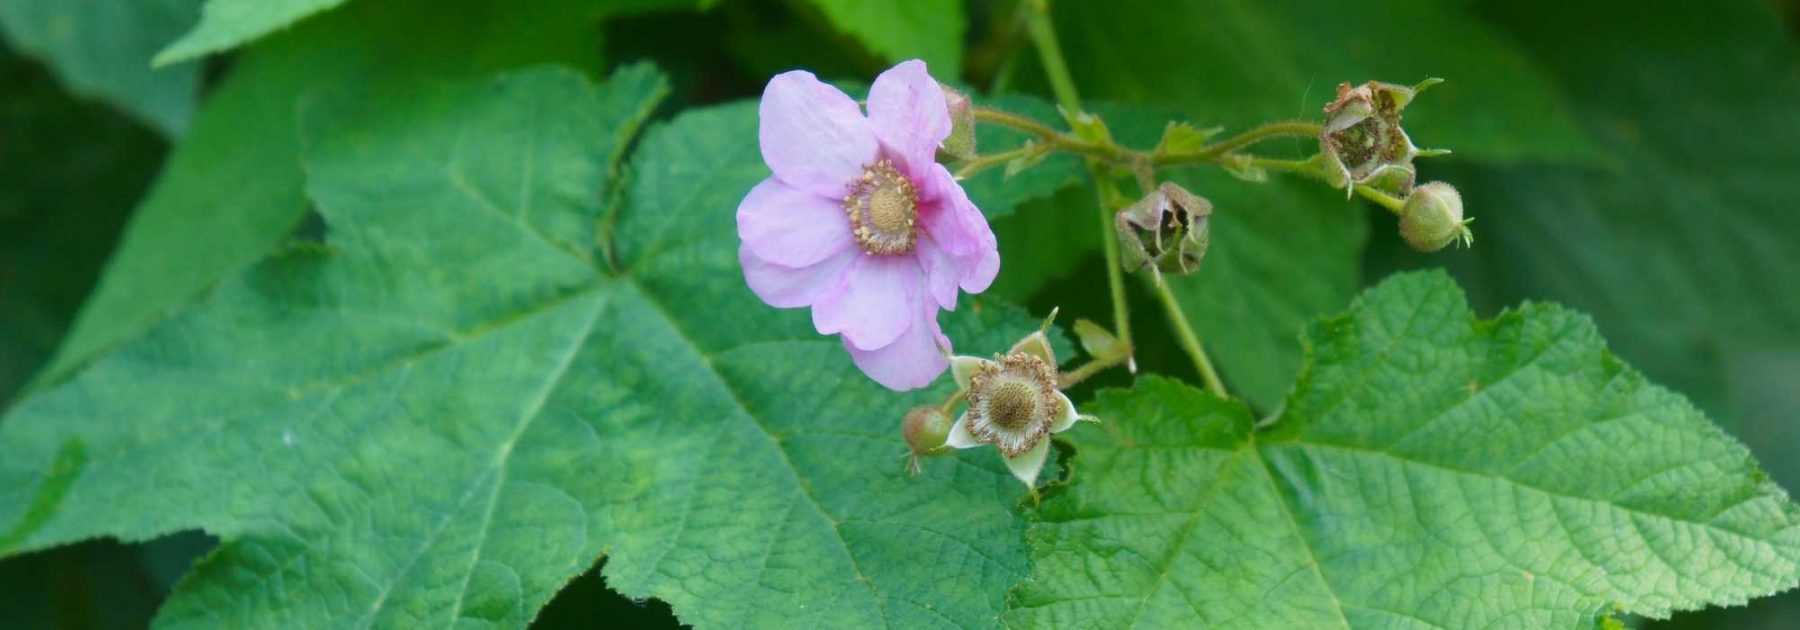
(883, 208)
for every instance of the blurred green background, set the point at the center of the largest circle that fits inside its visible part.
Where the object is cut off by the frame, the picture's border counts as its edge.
(1638, 161)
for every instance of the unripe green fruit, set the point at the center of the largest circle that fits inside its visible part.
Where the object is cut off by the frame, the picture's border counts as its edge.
(1433, 217)
(926, 429)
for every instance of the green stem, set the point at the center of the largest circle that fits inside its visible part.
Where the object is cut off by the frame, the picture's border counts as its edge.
(1184, 333)
(1076, 376)
(981, 163)
(1043, 37)
(1212, 152)
(1115, 270)
(1394, 204)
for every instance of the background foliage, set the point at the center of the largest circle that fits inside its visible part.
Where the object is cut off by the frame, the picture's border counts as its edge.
(1630, 161)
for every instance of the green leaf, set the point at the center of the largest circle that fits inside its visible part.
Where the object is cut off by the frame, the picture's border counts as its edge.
(1239, 64)
(1684, 251)
(246, 136)
(102, 48)
(458, 403)
(227, 24)
(1430, 470)
(931, 30)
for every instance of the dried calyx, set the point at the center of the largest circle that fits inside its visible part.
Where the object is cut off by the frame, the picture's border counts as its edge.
(1362, 140)
(1167, 230)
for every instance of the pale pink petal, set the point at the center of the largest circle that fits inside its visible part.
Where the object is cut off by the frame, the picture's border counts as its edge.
(788, 226)
(813, 136)
(789, 287)
(979, 276)
(912, 361)
(1029, 463)
(909, 116)
(951, 219)
(874, 303)
(942, 273)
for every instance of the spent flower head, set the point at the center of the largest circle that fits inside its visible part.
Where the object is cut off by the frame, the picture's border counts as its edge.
(860, 223)
(1362, 140)
(1013, 404)
(1167, 230)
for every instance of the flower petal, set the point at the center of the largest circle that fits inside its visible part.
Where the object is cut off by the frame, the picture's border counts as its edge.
(1029, 463)
(979, 277)
(910, 362)
(876, 301)
(812, 135)
(963, 368)
(942, 271)
(960, 437)
(792, 227)
(909, 116)
(790, 287)
(1068, 417)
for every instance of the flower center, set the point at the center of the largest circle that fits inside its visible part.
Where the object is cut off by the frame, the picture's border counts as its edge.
(883, 208)
(1012, 404)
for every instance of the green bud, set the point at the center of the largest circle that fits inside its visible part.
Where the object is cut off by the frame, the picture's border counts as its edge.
(926, 429)
(960, 145)
(1433, 218)
(1166, 229)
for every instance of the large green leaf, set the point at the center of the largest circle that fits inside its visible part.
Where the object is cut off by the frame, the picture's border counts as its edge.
(234, 185)
(1245, 62)
(102, 49)
(931, 30)
(1685, 252)
(458, 402)
(227, 24)
(1429, 471)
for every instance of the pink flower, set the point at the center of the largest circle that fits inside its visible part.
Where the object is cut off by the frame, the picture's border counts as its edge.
(861, 223)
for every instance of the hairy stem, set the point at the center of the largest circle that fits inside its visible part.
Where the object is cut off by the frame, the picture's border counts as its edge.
(984, 162)
(1076, 376)
(1184, 333)
(1213, 152)
(1043, 34)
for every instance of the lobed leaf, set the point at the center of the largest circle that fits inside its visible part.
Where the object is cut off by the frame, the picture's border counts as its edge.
(458, 402)
(1430, 471)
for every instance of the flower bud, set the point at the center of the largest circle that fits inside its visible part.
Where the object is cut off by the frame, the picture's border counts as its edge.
(1433, 218)
(925, 429)
(1166, 229)
(960, 144)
